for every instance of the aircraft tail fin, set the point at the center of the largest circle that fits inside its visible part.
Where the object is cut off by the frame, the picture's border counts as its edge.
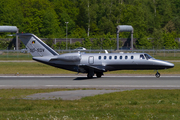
(36, 46)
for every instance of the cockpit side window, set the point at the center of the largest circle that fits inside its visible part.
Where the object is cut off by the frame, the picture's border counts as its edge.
(147, 56)
(141, 56)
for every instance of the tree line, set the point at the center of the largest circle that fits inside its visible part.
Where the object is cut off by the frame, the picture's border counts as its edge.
(155, 19)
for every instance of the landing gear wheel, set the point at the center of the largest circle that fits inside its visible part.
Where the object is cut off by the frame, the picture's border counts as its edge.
(157, 75)
(89, 75)
(98, 75)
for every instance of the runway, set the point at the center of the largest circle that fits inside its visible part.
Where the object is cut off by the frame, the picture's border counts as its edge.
(106, 82)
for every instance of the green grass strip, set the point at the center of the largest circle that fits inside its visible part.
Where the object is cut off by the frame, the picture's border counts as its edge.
(125, 105)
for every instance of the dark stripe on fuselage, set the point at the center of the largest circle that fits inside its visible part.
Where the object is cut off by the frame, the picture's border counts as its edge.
(135, 67)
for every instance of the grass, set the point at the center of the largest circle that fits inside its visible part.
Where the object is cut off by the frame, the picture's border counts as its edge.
(35, 68)
(166, 56)
(135, 104)
(15, 56)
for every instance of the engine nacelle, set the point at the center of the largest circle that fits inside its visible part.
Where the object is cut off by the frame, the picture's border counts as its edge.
(70, 57)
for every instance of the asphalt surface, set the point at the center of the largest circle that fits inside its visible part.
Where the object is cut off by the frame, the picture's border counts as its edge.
(68, 95)
(111, 82)
(106, 84)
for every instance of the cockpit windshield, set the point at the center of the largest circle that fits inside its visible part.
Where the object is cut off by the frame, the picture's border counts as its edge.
(141, 56)
(148, 56)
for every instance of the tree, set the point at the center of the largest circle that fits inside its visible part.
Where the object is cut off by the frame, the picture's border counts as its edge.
(78, 33)
(77, 44)
(66, 11)
(63, 45)
(34, 12)
(169, 40)
(11, 13)
(57, 46)
(158, 41)
(96, 43)
(144, 42)
(93, 18)
(87, 43)
(49, 42)
(50, 24)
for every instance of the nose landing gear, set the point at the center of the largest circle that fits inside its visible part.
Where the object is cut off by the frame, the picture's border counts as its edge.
(157, 74)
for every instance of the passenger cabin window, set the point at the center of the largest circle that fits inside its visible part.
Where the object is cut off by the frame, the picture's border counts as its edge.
(132, 57)
(99, 57)
(141, 56)
(104, 57)
(120, 57)
(110, 57)
(126, 57)
(115, 57)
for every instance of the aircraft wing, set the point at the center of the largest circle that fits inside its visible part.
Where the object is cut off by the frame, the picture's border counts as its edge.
(86, 68)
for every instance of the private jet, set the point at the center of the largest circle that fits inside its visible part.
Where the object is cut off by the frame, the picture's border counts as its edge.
(91, 63)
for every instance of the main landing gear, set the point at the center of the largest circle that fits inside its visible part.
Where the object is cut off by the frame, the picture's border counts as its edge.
(99, 74)
(157, 74)
(91, 74)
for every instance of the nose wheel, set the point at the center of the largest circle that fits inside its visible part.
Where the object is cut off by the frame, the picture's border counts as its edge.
(157, 75)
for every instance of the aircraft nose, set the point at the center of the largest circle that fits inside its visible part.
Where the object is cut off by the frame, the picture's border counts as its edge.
(164, 64)
(168, 65)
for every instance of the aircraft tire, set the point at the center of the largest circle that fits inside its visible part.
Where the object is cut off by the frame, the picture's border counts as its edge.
(157, 75)
(89, 75)
(98, 75)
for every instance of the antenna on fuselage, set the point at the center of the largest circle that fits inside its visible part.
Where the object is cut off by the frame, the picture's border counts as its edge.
(106, 51)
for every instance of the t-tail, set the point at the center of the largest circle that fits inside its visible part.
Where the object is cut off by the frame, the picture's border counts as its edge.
(36, 46)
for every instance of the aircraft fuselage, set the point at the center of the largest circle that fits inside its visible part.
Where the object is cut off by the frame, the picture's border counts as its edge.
(103, 62)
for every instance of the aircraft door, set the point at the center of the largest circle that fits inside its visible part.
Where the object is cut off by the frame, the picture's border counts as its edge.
(91, 59)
